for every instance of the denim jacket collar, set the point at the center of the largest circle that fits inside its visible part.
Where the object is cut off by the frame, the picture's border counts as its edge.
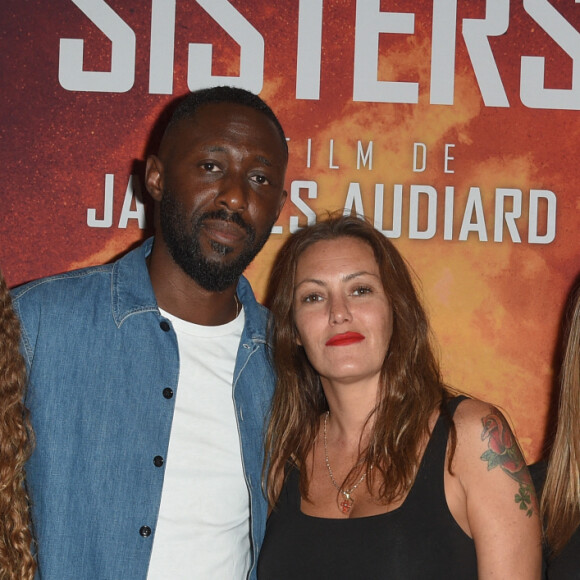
(132, 292)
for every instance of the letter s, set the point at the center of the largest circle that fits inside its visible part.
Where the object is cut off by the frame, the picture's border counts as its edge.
(533, 94)
(251, 51)
(121, 77)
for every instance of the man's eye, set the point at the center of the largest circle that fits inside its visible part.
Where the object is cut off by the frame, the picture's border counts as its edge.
(260, 179)
(210, 167)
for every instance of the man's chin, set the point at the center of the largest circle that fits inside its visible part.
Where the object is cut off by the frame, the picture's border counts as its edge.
(220, 249)
(231, 260)
(217, 276)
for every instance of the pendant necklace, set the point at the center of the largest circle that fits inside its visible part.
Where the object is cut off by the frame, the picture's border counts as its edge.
(344, 504)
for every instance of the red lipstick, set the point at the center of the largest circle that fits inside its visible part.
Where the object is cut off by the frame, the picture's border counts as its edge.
(344, 339)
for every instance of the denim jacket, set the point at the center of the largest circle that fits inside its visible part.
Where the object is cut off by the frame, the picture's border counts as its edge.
(103, 369)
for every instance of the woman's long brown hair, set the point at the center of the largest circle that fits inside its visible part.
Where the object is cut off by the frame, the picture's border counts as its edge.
(561, 495)
(410, 389)
(16, 560)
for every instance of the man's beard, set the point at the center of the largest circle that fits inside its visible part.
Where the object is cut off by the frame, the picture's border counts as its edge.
(182, 240)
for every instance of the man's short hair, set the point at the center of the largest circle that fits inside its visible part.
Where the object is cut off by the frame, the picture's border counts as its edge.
(189, 105)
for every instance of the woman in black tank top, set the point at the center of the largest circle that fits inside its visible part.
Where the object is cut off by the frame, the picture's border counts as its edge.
(375, 471)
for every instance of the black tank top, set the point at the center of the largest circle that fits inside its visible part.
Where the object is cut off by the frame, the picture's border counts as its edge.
(419, 540)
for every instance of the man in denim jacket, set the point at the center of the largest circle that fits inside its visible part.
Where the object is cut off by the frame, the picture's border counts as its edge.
(149, 379)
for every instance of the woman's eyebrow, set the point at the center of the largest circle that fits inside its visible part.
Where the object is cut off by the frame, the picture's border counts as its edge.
(345, 278)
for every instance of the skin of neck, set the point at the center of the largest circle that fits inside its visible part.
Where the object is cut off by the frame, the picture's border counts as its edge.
(350, 405)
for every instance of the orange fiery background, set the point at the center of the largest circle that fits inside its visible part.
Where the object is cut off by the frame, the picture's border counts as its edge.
(496, 308)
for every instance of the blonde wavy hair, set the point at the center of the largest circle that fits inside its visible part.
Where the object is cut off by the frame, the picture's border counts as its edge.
(16, 442)
(561, 495)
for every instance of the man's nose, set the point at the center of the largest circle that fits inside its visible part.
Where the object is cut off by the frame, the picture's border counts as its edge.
(233, 193)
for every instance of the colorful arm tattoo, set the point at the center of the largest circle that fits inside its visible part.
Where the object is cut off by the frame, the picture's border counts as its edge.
(504, 451)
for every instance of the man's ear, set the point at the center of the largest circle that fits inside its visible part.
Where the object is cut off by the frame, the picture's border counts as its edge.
(154, 177)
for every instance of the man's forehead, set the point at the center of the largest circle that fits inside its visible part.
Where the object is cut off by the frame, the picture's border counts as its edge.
(212, 120)
(223, 113)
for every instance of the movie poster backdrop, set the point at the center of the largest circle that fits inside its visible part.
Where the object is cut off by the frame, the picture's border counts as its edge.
(452, 125)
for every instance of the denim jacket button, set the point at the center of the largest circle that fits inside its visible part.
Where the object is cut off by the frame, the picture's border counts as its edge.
(158, 461)
(167, 393)
(145, 531)
(164, 325)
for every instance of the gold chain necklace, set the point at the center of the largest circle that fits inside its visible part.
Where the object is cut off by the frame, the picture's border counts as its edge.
(346, 504)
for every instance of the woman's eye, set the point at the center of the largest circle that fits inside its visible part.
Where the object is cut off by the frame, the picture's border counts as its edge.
(361, 290)
(312, 298)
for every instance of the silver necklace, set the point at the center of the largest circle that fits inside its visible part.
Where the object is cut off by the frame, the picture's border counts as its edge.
(238, 306)
(344, 504)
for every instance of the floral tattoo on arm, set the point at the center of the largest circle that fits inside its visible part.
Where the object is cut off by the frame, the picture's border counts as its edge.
(504, 451)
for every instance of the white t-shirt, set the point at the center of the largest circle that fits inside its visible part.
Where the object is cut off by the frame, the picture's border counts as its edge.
(203, 530)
